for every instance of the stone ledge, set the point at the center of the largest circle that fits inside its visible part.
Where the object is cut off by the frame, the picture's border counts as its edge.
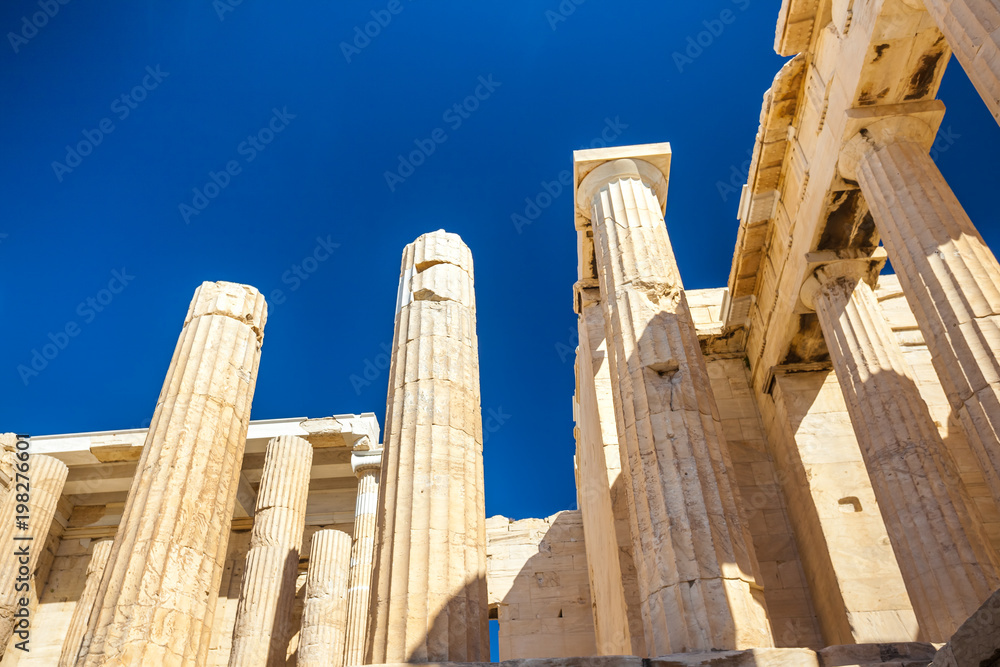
(909, 654)
(901, 654)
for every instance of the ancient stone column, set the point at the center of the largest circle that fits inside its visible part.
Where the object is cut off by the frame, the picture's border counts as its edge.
(85, 605)
(430, 581)
(603, 504)
(940, 544)
(950, 277)
(267, 592)
(36, 500)
(692, 546)
(366, 465)
(324, 616)
(156, 602)
(972, 28)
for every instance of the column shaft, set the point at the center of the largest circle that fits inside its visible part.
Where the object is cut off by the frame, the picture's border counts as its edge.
(972, 28)
(156, 602)
(263, 617)
(362, 555)
(324, 616)
(85, 605)
(605, 508)
(947, 564)
(691, 541)
(951, 280)
(35, 499)
(430, 583)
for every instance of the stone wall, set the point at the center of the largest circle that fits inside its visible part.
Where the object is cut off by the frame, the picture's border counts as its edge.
(538, 582)
(789, 603)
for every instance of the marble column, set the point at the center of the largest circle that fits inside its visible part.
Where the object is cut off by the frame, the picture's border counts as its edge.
(156, 602)
(85, 605)
(950, 277)
(267, 593)
(324, 616)
(430, 583)
(36, 500)
(972, 29)
(940, 544)
(602, 502)
(691, 542)
(366, 465)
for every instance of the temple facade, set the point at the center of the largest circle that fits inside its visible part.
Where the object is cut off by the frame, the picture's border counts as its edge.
(800, 467)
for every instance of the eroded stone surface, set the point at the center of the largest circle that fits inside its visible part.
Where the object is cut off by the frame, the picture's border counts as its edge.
(947, 562)
(263, 618)
(430, 577)
(977, 641)
(367, 466)
(324, 616)
(693, 552)
(85, 605)
(156, 601)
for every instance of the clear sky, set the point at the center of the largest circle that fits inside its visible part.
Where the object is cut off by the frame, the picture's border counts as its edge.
(299, 116)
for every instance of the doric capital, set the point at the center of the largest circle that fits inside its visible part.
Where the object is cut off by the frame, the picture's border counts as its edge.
(362, 461)
(609, 172)
(595, 168)
(875, 132)
(849, 270)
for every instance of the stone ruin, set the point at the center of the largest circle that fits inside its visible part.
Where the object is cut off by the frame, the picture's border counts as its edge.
(799, 468)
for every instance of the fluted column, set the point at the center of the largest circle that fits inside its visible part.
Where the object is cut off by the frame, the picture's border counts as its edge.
(366, 465)
(324, 616)
(691, 542)
(430, 582)
(940, 544)
(605, 511)
(156, 602)
(35, 499)
(972, 29)
(267, 593)
(950, 277)
(85, 605)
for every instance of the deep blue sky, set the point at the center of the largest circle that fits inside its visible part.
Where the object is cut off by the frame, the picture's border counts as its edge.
(323, 176)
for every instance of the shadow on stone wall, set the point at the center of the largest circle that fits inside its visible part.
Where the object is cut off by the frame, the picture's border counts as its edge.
(541, 587)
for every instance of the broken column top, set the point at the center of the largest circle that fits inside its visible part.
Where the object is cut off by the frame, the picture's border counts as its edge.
(438, 247)
(240, 302)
